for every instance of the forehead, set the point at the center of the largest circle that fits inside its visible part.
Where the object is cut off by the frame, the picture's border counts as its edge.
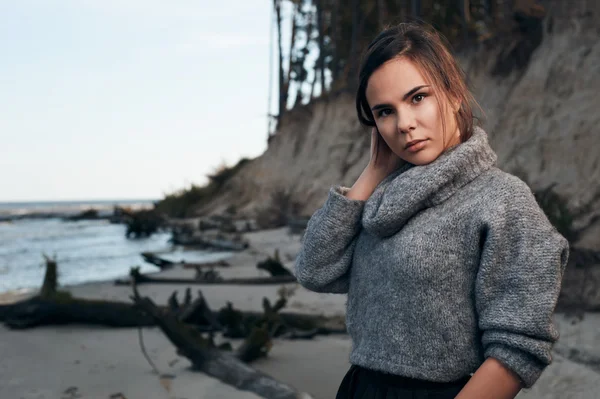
(392, 80)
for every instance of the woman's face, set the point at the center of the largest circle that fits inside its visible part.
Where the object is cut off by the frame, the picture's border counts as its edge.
(407, 114)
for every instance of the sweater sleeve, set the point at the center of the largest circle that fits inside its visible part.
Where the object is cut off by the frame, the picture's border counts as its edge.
(324, 260)
(518, 283)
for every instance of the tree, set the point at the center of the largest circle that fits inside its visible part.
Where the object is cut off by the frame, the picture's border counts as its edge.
(336, 33)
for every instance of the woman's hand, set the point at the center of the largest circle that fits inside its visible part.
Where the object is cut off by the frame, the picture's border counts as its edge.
(383, 162)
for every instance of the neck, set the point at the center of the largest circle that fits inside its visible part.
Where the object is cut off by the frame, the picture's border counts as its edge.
(411, 188)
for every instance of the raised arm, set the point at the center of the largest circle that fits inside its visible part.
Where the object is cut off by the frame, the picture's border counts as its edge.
(323, 264)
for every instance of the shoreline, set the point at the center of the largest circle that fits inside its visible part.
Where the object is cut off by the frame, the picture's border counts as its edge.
(97, 362)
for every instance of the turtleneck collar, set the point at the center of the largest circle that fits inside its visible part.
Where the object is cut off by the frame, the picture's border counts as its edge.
(410, 189)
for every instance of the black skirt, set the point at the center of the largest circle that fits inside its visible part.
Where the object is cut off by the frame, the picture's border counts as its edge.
(362, 383)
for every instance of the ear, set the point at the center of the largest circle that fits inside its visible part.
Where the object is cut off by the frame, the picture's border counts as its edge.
(456, 103)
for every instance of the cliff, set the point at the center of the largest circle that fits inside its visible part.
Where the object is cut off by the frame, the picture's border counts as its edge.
(539, 92)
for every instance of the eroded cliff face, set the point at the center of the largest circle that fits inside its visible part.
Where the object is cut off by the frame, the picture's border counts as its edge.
(543, 121)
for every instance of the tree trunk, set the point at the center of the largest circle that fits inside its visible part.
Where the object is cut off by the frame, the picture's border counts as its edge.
(222, 365)
(352, 57)
(381, 13)
(465, 18)
(282, 87)
(312, 85)
(415, 8)
(400, 5)
(50, 278)
(291, 56)
(39, 311)
(335, 68)
(305, 51)
(320, 68)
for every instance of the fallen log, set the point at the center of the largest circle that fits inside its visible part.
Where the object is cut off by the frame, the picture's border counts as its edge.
(221, 244)
(163, 263)
(53, 307)
(144, 279)
(158, 261)
(274, 266)
(39, 311)
(219, 263)
(238, 324)
(222, 365)
(199, 313)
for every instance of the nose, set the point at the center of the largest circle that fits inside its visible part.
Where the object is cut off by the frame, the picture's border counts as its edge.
(406, 121)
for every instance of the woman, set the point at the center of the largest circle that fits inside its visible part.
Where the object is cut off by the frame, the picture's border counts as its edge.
(451, 268)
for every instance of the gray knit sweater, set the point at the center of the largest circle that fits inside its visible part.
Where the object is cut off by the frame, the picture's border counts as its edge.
(445, 265)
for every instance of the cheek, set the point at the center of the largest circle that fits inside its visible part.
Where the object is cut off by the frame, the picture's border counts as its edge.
(429, 114)
(386, 126)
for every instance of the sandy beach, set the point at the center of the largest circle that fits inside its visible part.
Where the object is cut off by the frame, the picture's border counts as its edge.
(96, 362)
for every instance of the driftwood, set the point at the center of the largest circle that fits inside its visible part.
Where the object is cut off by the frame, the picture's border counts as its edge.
(144, 279)
(274, 266)
(219, 263)
(165, 263)
(55, 307)
(54, 310)
(201, 241)
(197, 312)
(238, 324)
(223, 365)
(207, 275)
(158, 261)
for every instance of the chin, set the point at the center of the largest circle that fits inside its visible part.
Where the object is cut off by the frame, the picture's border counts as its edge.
(421, 158)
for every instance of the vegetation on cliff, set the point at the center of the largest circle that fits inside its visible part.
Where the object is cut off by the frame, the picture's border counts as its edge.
(180, 203)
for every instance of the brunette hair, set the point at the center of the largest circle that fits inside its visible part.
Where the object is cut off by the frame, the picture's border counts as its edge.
(429, 50)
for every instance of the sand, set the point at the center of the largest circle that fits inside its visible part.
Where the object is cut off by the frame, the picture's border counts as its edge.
(85, 362)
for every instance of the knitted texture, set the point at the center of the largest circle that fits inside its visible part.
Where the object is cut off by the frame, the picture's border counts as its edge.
(445, 265)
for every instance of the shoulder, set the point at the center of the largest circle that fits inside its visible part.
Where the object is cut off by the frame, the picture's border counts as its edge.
(501, 192)
(501, 186)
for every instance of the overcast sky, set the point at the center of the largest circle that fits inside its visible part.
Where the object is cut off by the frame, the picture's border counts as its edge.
(128, 99)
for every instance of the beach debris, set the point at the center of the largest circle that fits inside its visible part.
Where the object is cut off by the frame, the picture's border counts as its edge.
(274, 266)
(71, 393)
(219, 263)
(59, 307)
(199, 313)
(140, 278)
(208, 275)
(163, 263)
(188, 297)
(223, 365)
(218, 242)
(52, 306)
(172, 302)
(88, 214)
(142, 223)
(50, 282)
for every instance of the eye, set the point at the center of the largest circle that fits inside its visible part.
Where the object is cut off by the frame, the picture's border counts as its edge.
(384, 112)
(418, 98)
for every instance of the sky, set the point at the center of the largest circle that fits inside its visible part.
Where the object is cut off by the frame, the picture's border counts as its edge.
(128, 99)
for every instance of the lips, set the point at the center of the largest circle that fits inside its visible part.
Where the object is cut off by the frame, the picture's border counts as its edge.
(411, 143)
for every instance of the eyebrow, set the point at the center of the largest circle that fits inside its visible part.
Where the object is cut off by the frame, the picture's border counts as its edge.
(404, 97)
